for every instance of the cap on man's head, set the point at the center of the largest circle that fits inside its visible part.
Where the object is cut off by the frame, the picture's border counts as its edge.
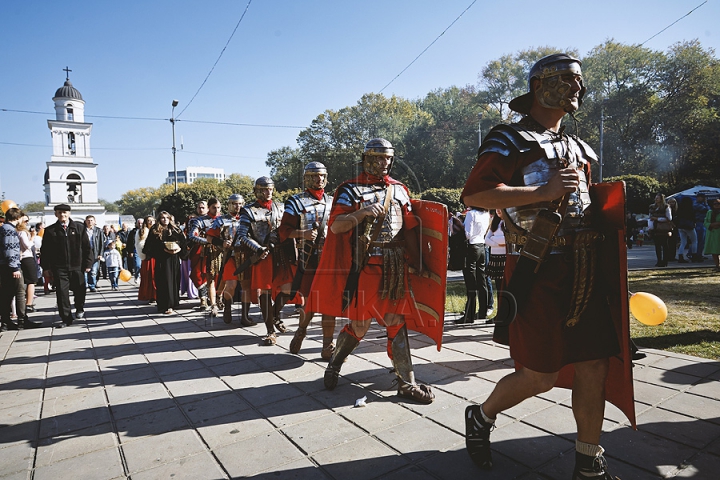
(63, 207)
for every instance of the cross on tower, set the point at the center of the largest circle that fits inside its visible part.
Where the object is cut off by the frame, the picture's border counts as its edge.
(67, 73)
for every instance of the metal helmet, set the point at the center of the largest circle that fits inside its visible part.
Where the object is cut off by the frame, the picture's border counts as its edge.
(553, 91)
(236, 197)
(314, 167)
(375, 148)
(262, 182)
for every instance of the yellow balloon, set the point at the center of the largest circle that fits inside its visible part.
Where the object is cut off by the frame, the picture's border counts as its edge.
(125, 275)
(7, 205)
(648, 308)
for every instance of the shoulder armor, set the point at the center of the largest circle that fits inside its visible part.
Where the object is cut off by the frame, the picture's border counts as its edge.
(588, 152)
(506, 139)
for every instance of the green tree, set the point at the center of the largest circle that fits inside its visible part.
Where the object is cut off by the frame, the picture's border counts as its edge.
(688, 114)
(33, 207)
(286, 167)
(640, 191)
(182, 203)
(242, 184)
(142, 201)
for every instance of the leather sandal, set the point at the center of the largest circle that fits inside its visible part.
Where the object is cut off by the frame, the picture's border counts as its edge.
(297, 340)
(419, 393)
(280, 326)
(269, 340)
(327, 352)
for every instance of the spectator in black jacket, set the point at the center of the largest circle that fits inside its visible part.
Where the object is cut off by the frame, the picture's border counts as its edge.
(65, 258)
(134, 261)
(123, 236)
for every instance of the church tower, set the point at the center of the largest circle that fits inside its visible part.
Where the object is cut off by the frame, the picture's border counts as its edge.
(71, 175)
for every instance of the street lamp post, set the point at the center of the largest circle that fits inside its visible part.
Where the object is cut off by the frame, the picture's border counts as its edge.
(172, 121)
(480, 117)
(602, 135)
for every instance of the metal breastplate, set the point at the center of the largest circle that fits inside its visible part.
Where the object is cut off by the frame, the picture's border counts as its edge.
(264, 221)
(392, 226)
(230, 226)
(314, 213)
(540, 171)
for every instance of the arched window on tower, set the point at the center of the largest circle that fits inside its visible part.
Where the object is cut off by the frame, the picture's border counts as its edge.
(70, 114)
(74, 188)
(71, 143)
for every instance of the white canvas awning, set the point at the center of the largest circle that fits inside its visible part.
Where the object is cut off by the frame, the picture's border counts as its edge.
(710, 192)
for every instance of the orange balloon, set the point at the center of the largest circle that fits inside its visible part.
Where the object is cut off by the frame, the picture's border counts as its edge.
(648, 308)
(7, 205)
(125, 275)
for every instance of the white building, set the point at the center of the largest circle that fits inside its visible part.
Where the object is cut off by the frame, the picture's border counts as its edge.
(190, 174)
(71, 175)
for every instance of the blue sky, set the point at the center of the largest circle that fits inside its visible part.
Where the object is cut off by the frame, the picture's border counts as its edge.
(289, 61)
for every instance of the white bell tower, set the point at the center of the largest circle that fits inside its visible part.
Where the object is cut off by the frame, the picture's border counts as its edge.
(71, 175)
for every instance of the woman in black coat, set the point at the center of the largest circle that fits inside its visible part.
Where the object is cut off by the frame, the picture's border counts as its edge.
(164, 242)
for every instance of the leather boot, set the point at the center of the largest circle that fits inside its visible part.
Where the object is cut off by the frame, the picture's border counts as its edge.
(280, 301)
(266, 309)
(227, 312)
(27, 323)
(346, 343)
(245, 319)
(402, 362)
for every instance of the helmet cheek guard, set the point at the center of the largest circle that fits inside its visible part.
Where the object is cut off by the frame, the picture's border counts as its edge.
(377, 147)
(262, 182)
(314, 168)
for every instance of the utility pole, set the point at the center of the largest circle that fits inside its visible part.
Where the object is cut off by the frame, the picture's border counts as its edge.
(172, 121)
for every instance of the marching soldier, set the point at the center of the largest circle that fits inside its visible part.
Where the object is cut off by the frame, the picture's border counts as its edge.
(306, 220)
(258, 234)
(210, 254)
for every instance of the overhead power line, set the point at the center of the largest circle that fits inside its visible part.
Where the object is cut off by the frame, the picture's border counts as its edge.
(676, 21)
(426, 48)
(260, 125)
(218, 59)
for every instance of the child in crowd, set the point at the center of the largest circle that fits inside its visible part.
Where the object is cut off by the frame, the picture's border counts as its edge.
(640, 237)
(113, 261)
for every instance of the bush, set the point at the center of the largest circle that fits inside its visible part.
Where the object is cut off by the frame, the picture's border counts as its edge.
(447, 196)
(640, 191)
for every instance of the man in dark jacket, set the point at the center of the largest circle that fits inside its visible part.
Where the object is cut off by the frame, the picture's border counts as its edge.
(65, 257)
(97, 244)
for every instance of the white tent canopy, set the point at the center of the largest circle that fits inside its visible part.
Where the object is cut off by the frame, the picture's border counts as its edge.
(710, 192)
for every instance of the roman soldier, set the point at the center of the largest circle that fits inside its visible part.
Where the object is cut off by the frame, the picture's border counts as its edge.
(306, 220)
(258, 234)
(372, 242)
(210, 254)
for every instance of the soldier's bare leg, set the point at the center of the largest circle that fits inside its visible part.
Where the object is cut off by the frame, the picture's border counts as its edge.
(280, 301)
(228, 293)
(245, 298)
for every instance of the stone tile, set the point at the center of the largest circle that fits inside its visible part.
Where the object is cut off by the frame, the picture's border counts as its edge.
(558, 420)
(528, 445)
(456, 464)
(452, 417)
(466, 387)
(678, 428)
(563, 466)
(127, 376)
(61, 447)
(99, 465)
(360, 459)
(153, 423)
(255, 454)
(688, 367)
(202, 465)
(645, 450)
(240, 366)
(379, 414)
(295, 410)
(136, 360)
(707, 388)
(53, 425)
(9, 398)
(149, 452)
(203, 410)
(694, 406)
(412, 471)
(16, 458)
(411, 438)
(656, 376)
(67, 367)
(86, 399)
(18, 414)
(341, 398)
(302, 469)
(332, 429)
(527, 407)
(268, 393)
(234, 428)
(652, 394)
(186, 388)
(701, 467)
(153, 400)
(118, 395)
(308, 371)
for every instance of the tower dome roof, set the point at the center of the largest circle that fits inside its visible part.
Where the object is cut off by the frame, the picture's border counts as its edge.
(68, 91)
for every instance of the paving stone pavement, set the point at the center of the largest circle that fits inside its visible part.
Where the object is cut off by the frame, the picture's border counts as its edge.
(131, 393)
